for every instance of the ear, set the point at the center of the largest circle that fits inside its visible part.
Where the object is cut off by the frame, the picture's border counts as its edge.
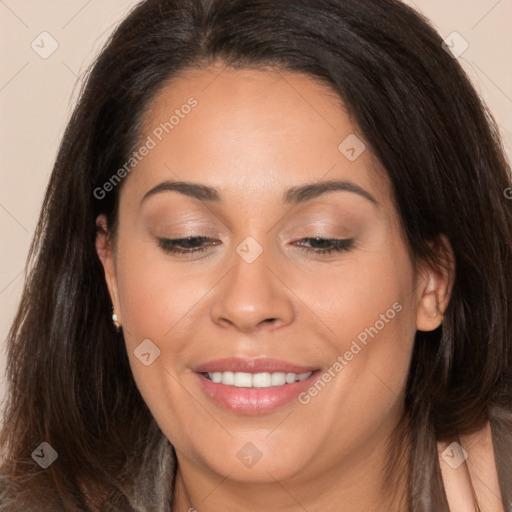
(106, 255)
(435, 286)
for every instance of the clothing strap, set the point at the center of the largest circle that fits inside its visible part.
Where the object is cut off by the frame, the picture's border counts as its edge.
(475, 499)
(455, 463)
(458, 485)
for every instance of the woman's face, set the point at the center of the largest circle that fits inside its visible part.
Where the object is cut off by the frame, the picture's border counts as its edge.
(216, 337)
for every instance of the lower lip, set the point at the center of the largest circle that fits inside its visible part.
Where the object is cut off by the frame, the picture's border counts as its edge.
(254, 401)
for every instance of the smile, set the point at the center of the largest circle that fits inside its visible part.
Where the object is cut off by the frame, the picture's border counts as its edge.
(256, 380)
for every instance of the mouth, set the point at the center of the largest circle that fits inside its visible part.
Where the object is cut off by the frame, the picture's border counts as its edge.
(254, 386)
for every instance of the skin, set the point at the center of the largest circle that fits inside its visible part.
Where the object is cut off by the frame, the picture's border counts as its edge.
(253, 135)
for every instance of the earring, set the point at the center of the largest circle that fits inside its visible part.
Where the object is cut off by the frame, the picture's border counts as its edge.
(115, 320)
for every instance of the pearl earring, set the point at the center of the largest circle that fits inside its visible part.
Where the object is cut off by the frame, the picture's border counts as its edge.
(115, 320)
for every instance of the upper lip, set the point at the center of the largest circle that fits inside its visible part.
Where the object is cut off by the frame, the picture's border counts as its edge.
(251, 365)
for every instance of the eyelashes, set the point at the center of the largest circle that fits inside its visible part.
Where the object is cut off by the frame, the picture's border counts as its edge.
(187, 245)
(195, 245)
(334, 245)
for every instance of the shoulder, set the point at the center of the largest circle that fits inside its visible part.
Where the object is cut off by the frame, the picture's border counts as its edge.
(477, 467)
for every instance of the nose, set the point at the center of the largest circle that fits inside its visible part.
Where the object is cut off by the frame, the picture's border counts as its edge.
(252, 297)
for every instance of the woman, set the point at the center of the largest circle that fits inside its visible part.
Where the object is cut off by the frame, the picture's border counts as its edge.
(272, 272)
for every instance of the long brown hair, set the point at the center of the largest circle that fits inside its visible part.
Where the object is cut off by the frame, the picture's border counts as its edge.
(70, 383)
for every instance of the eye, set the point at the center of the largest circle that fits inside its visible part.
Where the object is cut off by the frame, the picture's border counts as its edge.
(200, 244)
(325, 246)
(189, 245)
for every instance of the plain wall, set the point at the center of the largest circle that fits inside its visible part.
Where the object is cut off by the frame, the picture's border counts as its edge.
(37, 95)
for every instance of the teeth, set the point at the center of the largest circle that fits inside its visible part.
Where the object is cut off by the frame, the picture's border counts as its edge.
(228, 378)
(242, 380)
(256, 380)
(290, 377)
(278, 378)
(216, 377)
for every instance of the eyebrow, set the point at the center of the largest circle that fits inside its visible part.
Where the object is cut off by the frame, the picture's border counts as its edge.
(294, 195)
(310, 191)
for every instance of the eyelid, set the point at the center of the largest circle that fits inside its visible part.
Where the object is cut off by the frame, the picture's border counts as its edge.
(338, 245)
(164, 218)
(170, 245)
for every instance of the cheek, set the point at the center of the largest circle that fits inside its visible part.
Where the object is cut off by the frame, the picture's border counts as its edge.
(367, 362)
(370, 295)
(151, 303)
(369, 309)
(155, 296)
(160, 302)
(154, 306)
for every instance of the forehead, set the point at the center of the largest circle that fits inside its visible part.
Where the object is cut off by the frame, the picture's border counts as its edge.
(263, 102)
(262, 130)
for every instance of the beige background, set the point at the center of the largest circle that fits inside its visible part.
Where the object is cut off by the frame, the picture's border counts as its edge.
(36, 97)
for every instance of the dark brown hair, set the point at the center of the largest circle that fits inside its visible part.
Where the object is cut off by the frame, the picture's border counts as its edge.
(68, 372)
